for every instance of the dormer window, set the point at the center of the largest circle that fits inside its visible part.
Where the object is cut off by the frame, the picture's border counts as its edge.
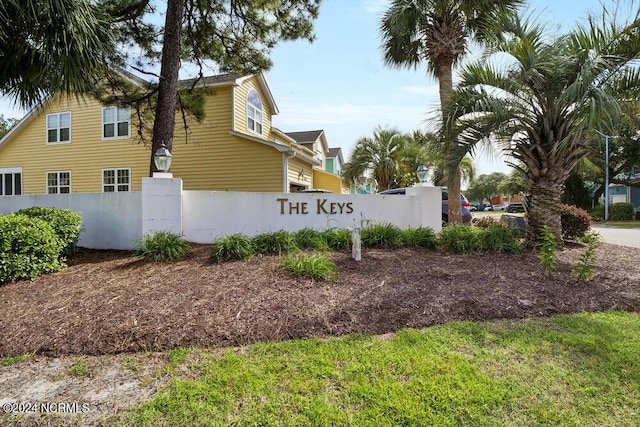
(254, 112)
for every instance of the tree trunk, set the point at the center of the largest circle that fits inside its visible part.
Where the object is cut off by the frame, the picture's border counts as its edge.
(452, 175)
(165, 116)
(544, 209)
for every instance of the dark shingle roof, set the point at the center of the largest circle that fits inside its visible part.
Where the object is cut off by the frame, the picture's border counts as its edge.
(333, 152)
(305, 136)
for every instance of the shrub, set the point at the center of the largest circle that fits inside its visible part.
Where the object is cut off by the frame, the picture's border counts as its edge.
(622, 212)
(460, 239)
(308, 238)
(278, 242)
(28, 248)
(315, 266)
(162, 246)
(575, 221)
(597, 213)
(422, 237)
(499, 238)
(338, 239)
(386, 236)
(66, 223)
(548, 250)
(232, 247)
(485, 221)
(587, 260)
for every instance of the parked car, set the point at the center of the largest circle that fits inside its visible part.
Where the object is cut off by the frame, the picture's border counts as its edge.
(466, 213)
(514, 207)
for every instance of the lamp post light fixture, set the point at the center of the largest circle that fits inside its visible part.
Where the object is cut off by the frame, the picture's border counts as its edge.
(422, 173)
(606, 175)
(162, 159)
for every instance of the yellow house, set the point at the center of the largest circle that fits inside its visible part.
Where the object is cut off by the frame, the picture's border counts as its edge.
(76, 144)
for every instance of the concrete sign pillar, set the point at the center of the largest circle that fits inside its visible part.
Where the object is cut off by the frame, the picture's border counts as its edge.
(162, 205)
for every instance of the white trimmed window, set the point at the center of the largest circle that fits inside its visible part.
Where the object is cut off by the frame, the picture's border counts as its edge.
(116, 122)
(254, 112)
(59, 128)
(10, 181)
(114, 180)
(59, 182)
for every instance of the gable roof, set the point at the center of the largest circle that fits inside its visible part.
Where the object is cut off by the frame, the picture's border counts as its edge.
(334, 152)
(305, 136)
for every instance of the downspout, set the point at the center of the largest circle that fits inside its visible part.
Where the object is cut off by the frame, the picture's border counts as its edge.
(286, 155)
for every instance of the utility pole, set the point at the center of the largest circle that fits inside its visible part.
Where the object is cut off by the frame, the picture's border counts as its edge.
(606, 175)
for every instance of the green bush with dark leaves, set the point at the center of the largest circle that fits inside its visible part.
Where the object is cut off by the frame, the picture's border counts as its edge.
(575, 222)
(622, 212)
(386, 236)
(66, 223)
(29, 247)
(232, 247)
(162, 246)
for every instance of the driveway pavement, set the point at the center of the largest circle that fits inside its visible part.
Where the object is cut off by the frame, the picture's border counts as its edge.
(618, 235)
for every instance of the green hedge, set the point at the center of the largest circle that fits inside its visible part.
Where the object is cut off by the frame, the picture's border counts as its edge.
(622, 212)
(28, 247)
(66, 223)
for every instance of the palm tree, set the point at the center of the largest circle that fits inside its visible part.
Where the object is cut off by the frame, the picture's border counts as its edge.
(436, 33)
(541, 107)
(51, 46)
(382, 155)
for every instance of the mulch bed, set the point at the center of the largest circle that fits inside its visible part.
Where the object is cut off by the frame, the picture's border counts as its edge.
(109, 302)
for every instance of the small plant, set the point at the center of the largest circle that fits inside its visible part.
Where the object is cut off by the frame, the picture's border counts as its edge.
(587, 260)
(386, 236)
(485, 221)
(315, 266)
(422, 237)
(337, 239)
(622, 212)
(460, 239)
(499, 238)
(12, 360)
(548, 250)
(308, 238)
(278, 242)
(575, 222)
(232, 247)
(162, 246)
(28, 248)
(79, 369)
(66, 223)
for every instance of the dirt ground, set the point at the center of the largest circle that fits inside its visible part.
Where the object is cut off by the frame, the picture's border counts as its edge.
(109, 303)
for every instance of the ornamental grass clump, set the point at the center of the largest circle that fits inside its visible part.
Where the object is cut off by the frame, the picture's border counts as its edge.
(163, 246)
(315, 266)
(498, 237)
(386, 236)
(338, 239)
(421, 237)
(308, 238)
(29, 247)
(276, 243)
(460, 239)
(232, 247)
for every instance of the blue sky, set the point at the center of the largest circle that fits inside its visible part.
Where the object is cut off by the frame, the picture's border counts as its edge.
(339, 84)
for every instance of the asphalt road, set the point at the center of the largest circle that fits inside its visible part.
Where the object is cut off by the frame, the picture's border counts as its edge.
(618, 235)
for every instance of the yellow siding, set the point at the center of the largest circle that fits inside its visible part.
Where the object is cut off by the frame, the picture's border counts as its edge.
(294, 175)
(240, 109)
(327, 181)
(85, 156)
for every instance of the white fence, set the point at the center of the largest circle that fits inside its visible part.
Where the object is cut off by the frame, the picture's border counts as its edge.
(117, 220)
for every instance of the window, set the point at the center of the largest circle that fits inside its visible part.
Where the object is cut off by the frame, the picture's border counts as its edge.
(114, 180)
(254, 112)
(10, 181)
(59, 182)
(116, 122)
(59, 128)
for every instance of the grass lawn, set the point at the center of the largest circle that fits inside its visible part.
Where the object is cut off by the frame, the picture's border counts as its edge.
(630, 224)
(566, 370)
